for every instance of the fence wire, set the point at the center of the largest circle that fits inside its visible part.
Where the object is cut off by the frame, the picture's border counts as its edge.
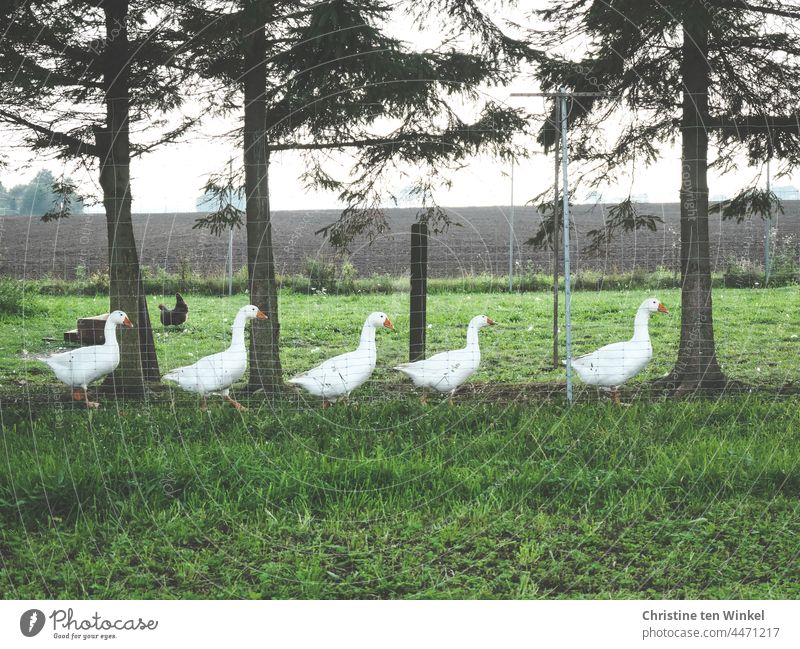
(327, 295)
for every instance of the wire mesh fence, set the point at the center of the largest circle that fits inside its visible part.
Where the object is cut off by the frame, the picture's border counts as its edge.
(327, 295)
(477, 243)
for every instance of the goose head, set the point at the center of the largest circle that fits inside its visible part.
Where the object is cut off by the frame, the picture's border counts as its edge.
(251, 312)
(379, 320)
(481, 321)
(653, 305)
(120, 318)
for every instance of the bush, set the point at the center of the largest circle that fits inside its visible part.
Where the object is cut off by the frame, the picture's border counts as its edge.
(15, 300)
(321, 275)
(347, 278)
(741, 273)
(323, 278)
(99, 282)
(185, 269)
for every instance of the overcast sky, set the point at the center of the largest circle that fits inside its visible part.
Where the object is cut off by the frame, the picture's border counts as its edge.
(170, 179)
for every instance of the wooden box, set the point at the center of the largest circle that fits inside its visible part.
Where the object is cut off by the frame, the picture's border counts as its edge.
(90, 331)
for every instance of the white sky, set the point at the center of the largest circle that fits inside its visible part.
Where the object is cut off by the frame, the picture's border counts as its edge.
(170, 179)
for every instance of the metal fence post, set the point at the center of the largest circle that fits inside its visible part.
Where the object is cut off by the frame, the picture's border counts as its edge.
(419, 291)
(556, 229)
(511, 236)
(565, 212)
(768, 233)
(230, 261)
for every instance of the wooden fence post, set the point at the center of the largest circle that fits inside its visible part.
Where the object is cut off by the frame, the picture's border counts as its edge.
(419, 291)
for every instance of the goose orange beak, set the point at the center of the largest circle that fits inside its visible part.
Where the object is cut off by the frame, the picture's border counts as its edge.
(261, 315)
(662, 308)
(127, 322)
(388, 324)
(489, 321)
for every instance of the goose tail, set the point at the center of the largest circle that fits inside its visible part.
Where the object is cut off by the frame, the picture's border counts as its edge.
(171, 376)
(50, 361)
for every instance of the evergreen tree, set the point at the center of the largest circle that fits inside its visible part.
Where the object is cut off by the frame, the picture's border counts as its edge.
(76, 76)
(711, 73)
(325, 76)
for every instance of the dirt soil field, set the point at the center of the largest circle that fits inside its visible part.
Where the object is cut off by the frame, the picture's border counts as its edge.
(478, 244)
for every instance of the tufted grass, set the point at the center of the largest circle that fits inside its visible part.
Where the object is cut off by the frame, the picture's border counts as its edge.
(393, 500)
(756, 332)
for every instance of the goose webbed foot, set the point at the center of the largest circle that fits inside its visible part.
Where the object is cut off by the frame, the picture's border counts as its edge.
(233, 402)
(615, 397)
(90, 404)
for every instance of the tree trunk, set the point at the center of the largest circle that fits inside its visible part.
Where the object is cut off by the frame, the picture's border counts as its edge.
(697, 368)
(137, 352)
(265, 362)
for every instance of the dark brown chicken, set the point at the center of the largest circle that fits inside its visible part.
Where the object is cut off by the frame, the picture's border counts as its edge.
(176, 316)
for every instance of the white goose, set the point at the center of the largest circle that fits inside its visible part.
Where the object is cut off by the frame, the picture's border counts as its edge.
(216, 373)
(613, 365)
(80, 367)
(446, 371)
(339, 376)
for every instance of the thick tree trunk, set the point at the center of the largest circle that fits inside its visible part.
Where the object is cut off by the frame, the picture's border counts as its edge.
(697, 368)
(265, 362)
(137, 352)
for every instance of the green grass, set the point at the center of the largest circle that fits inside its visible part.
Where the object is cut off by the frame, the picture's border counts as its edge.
(660, 500)
(756, 332)
(384, 498)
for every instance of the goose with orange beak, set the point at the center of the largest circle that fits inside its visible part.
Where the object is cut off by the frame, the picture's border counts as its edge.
(337, 377)
(80, 367)
(215, 374)
(611, 366)
(447, 371)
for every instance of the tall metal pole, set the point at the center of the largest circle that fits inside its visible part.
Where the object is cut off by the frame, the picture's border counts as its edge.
(567, 294)
(556, 229)
(230, 233)
(561, 97)
(511, 236)
(230, 261)
(767, 233)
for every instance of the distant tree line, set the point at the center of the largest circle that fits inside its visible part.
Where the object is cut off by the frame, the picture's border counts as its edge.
(37, 197)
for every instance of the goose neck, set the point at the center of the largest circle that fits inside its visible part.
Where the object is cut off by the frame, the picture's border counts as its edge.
(472, 337)
(640, 325)
(237, 339)
(367, 340)
(110, 333)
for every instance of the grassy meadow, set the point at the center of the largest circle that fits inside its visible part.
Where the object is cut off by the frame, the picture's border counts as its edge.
(385, 498)
(756, 332)
(382, 500)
